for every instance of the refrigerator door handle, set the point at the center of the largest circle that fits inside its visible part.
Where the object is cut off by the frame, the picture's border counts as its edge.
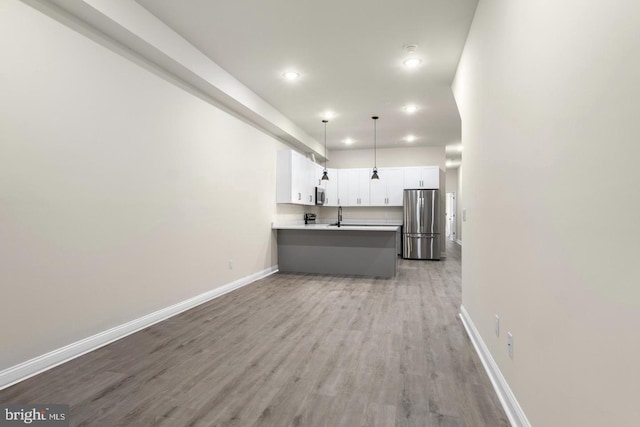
(421, 246)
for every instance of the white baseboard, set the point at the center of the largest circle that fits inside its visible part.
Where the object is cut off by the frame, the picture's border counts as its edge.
(24, 370)
(516, 415)
(459, 242)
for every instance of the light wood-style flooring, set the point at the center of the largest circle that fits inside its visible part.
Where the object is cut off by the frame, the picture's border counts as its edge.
(290, 350)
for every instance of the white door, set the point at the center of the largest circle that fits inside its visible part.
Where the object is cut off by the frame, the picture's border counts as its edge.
(412, 178)
(310, 182)
(451, 216)
(353, 187)
(386, 191)
(378, 189)
(344, 182)
(362, 178)
(331, 188)
(298, 178)
(430, 177)
(394, 178)
(318, 176)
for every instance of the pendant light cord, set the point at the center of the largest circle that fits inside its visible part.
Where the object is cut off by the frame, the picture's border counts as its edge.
(375, 148)
(375, 138)
(325, 143)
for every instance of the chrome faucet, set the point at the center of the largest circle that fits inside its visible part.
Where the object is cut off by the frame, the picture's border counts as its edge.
(339, 215)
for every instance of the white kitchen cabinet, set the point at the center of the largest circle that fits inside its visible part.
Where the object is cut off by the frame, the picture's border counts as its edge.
(387, 191)
(395, 187)
(361, 196)
(317, 175)
(353, 187)
(308, 182)
(295, 178)
(422, 177)
(343, 186)
(330, 187)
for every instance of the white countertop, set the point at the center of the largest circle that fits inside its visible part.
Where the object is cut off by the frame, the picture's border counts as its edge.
(343, 227)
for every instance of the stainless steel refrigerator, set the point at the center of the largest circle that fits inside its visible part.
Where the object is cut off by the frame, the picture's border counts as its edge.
(421, 235)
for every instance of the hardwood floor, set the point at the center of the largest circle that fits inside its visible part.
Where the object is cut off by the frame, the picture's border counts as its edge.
(290, 350)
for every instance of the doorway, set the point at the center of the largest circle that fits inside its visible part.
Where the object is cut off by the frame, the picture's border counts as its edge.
(450, 215)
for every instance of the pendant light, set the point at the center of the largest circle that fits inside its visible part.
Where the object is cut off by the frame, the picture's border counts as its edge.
(375, 156)
(325, 175)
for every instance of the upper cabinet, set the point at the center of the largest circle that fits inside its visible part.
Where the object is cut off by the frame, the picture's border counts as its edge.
(330, 187)
(422, 177)
(387, 191)
(317, 175)
(353, 187)
(295, 178)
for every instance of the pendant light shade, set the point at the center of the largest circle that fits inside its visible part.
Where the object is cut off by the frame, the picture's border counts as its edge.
(325, 175)
(375, 154)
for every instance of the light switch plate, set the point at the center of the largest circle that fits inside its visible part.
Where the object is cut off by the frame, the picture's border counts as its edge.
(464, 215)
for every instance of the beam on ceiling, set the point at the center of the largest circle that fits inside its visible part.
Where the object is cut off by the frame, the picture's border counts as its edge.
(139, 32)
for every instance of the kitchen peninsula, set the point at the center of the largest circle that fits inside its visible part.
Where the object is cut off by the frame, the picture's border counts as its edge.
(329, 249)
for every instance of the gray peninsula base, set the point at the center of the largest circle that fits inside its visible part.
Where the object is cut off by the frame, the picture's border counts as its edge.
(361, 252)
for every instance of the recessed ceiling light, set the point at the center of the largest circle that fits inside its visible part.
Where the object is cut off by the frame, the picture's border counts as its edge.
(328, 115)
(454, 148)
(291, 75)
(411, 108)
(412, 62)
(453, 163)
(410, 138)
(348, 141)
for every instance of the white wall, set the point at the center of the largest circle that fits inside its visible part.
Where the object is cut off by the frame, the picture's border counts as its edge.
(452, 180)
(388, 157)
(364, 213)
(460, 199)
(549, 98)
(120, 193)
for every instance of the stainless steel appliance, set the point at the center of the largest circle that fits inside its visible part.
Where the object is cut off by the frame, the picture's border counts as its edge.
(309, 218)
(421, 235)
(320, 196)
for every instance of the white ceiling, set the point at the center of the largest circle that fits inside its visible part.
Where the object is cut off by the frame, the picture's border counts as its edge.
(349, 54)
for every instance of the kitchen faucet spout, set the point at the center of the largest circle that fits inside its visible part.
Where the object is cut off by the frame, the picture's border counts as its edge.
(339, 215)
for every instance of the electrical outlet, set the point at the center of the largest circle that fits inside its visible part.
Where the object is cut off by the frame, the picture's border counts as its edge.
(464, 215)
(497, 325)
(231, 265)
(510, 344)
